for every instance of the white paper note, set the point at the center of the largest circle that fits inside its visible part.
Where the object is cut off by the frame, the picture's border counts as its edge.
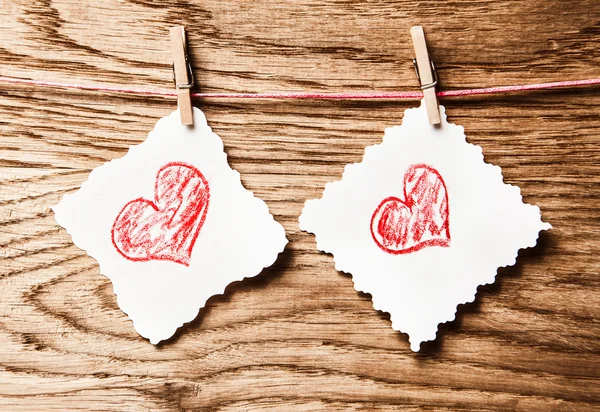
(421, 222)
(171, 225)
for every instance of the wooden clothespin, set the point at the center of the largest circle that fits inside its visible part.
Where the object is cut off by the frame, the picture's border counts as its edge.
(426, 74)
(182, 74)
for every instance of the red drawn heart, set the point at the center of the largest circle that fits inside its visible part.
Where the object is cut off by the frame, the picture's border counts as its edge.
(420, 220)
(166, 228)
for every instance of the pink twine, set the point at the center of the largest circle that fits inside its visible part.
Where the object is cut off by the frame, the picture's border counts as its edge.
(304, 95)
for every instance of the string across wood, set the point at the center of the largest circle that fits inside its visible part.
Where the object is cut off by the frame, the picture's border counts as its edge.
(309, 95)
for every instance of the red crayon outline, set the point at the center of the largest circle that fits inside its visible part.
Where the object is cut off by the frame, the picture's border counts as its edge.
(409, 203)
(181, 259)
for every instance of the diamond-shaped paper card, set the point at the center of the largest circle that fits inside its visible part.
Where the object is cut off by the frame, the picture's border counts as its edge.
(171, 225)
(421, 222)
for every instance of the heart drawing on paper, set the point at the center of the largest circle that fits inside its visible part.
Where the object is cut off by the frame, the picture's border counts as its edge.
(166, 228)
(420, 220)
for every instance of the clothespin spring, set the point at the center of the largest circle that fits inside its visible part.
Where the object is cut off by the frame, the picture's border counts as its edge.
(190, 75)
(433, 71)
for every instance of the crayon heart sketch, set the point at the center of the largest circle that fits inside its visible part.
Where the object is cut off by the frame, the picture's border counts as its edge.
(420, 220)
(166, 228)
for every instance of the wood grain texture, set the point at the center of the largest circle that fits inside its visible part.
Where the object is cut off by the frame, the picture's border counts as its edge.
(298, 337)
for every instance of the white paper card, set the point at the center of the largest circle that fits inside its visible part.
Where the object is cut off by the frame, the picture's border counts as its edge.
(171, 225)
(421, 222)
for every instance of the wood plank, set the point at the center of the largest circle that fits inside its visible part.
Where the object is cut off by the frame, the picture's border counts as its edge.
(298, 337)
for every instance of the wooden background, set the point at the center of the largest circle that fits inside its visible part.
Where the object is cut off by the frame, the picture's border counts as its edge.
(298, 337)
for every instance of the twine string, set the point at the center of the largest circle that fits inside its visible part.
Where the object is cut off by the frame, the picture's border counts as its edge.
(307, 95)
